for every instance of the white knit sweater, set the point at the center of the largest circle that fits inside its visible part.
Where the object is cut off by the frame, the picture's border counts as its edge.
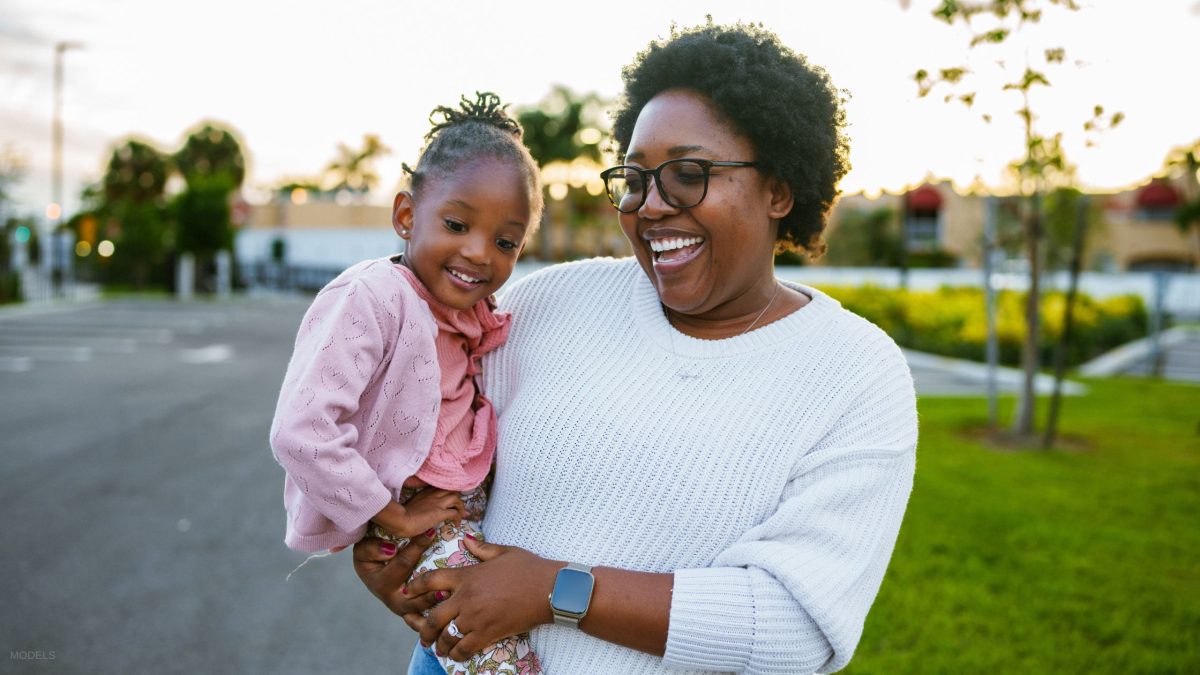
(772, 480)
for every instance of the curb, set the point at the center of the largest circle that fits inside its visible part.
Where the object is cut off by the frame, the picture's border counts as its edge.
(1006, 378)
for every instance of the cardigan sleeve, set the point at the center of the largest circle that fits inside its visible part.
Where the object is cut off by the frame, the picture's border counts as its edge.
(791, 595)
(340, 344)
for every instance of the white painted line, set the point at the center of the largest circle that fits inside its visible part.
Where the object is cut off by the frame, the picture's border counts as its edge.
(15, 364)
(98, 344)
(25, 329)
(48, 353)
(209, 354)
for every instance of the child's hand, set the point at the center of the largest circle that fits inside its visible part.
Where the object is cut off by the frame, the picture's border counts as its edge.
(427, 509)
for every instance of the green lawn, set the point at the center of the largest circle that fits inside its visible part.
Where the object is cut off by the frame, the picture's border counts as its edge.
(1072, 561)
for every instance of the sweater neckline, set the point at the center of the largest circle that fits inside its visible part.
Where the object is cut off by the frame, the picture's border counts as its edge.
(651, 318)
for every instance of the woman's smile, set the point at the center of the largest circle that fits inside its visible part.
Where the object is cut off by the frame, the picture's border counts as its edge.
(671, 253)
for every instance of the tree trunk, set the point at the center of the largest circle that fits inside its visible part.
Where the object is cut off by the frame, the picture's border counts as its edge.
(1023, 425)
(1064, 340)
(989, 268)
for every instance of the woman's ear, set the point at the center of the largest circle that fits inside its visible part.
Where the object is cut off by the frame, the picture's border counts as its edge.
(402, 214)
(782, 199)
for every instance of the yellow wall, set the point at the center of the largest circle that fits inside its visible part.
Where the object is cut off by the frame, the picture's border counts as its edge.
(317, 214)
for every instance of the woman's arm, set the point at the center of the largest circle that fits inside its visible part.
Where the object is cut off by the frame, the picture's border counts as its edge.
(509, 595)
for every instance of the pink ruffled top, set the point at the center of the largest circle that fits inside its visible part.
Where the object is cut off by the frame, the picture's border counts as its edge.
(464, 441)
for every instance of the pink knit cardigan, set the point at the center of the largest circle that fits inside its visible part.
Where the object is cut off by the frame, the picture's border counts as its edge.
(359, 405)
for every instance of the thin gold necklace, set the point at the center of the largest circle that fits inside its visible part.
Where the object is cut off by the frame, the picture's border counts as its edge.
(681, 368)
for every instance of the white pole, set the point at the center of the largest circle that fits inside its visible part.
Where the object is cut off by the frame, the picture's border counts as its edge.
(185, 277)
(224, 274)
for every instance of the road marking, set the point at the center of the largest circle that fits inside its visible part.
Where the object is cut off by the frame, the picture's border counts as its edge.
(15, 364)
(98, 344)
(25, 329)
(209, 354)
(48, 353)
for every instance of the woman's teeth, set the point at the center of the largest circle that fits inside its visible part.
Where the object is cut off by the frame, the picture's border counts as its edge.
(469, 280)
(660, 246)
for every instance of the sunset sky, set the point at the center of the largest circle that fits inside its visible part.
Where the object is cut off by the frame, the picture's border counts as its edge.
(296, 78)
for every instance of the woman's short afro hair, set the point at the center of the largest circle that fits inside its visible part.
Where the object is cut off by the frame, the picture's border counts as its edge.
(786, 106)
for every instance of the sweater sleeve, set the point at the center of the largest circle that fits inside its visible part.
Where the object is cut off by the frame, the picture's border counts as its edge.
(792, 594)
(340, 344)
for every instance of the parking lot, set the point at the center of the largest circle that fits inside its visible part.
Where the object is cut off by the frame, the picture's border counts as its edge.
(143, 509)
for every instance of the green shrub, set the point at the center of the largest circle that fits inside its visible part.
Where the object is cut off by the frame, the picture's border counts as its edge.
(951, 321)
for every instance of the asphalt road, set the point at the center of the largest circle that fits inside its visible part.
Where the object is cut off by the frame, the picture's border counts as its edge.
(143, 516)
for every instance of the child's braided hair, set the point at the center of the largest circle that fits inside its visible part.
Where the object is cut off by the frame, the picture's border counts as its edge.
(474, 130)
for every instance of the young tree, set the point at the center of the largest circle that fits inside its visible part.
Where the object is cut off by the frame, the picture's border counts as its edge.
(1042, 154)
(1185, 162)
(213, 167)
(211, 152)
(128, 204)
(12, 170)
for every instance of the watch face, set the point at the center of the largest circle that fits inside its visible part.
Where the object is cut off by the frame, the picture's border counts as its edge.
(572, 591)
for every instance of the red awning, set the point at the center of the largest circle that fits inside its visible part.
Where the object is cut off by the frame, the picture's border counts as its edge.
(924, 198)
(1157, 195)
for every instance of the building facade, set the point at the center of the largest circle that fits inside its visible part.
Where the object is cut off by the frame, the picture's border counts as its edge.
(1131, 230)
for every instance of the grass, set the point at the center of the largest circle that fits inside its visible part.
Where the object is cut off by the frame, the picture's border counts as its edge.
(1071, 561)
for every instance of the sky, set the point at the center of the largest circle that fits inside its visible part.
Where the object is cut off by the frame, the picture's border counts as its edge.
(296, 78)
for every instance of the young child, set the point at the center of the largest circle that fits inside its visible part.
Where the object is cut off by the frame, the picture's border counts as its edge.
(380, 420)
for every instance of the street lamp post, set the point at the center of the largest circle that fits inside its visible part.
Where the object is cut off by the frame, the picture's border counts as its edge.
(54, 212)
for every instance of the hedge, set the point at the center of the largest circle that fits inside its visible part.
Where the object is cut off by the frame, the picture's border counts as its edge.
(951, 321)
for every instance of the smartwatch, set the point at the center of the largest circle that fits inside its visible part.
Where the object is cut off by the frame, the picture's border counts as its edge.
(572, 594)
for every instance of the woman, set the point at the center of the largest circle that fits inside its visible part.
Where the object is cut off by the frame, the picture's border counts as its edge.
(731, 455)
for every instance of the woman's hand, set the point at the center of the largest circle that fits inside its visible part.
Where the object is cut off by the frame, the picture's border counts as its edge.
(384, 570)
(506, 594)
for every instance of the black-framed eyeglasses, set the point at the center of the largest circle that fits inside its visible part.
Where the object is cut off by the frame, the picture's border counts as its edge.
(682, 183)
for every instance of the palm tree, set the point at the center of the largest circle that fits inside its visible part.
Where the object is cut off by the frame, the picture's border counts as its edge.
(561, 129)
(355, 169)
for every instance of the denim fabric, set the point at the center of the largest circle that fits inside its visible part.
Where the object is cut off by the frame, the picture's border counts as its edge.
(424, 662)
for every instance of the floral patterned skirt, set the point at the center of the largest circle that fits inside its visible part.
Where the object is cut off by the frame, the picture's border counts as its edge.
(510, 655)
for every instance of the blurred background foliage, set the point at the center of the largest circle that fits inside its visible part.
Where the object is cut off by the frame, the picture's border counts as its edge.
(952, 322)
(154, 205)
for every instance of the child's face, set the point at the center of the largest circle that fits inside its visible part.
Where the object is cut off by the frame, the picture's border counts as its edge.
(468, 228)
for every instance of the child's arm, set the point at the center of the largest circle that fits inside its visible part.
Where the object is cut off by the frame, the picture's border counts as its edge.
(339, 347)
(428, 508)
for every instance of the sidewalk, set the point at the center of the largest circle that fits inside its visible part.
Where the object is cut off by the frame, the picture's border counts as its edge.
(944, 376)
(1179, 358)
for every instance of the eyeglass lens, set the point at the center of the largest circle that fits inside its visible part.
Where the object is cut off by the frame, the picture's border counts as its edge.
(683, 184)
